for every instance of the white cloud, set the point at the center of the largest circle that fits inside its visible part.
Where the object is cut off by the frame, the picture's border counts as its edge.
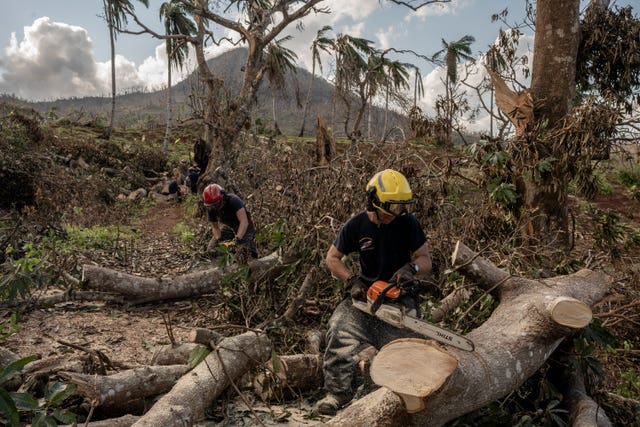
(53, 60)
(386, 37)
(437, 9)
(56, 60)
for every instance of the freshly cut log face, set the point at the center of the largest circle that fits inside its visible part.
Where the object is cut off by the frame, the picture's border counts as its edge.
(413, 368)
(572, 313)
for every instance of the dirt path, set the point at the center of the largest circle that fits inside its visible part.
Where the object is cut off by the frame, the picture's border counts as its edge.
(129, 335)
(126, 335)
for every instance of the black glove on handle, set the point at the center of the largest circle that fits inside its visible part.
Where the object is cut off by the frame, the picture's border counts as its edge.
(406, 273)
(358, 289)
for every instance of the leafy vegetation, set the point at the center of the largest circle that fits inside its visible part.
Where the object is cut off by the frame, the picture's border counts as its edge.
(61, 207)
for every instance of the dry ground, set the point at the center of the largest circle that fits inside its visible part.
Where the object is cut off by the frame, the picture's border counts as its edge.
(128, 336)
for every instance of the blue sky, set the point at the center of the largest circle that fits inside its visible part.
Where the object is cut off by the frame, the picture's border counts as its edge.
(59, 48)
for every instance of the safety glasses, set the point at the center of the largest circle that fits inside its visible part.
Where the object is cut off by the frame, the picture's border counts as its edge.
(397, 208)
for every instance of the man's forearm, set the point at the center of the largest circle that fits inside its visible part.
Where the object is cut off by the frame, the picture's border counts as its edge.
(242, 229)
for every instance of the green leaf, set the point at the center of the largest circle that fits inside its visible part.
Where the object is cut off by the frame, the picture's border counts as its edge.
(25, 401)
(44, 420)
(13, 367)
(197, 355)
(503, 193)
(58, 392)
(275, 361)
(544, 165)
(64, 416)
(8, 410)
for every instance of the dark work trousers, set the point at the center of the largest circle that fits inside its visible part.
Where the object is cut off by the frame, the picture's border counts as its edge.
(349, 331)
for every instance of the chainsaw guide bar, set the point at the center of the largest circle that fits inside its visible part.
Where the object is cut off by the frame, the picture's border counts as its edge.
(397, 317)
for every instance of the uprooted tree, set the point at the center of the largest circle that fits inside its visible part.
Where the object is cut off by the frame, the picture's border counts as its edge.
(434, 383)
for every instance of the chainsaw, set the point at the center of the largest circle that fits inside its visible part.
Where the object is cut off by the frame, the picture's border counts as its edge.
(381, 291)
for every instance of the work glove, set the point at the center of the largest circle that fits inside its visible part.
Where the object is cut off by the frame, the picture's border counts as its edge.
(358, 289)
(406, 273)
(405, 278)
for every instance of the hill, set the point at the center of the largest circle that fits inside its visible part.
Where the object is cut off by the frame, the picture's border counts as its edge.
(149, 107)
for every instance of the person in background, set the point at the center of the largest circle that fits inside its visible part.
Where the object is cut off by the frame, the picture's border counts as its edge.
(237, 229)
(201, 154)
(192, 179)
(392, 247)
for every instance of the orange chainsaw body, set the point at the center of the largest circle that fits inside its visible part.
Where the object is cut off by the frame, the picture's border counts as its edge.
(376, 289)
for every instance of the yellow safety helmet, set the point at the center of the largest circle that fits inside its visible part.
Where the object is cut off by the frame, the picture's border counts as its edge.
(389, 192)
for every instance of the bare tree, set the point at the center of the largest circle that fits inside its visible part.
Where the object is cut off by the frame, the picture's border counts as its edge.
(260, 23)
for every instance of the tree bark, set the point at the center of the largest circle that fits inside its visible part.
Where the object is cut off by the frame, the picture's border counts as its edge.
(173, 354)
(533, 317)
(194, 392)
(584, 411)
(124, 421)
(205, 336)
(299, 372)
(143, 290)
(324, 144)
(382, 408)
(120, 388)
(553, 85)
(292, 374)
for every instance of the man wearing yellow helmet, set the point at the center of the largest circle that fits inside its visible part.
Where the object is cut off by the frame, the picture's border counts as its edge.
(391, 247)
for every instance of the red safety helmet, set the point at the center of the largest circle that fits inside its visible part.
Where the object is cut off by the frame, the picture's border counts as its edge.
(212, 195)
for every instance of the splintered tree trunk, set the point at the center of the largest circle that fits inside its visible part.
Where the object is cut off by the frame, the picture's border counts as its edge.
(193, 393)
(144, 290)
(533, 317)
(324, 143)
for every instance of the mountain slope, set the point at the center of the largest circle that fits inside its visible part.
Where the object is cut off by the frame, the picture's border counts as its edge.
(149, 107)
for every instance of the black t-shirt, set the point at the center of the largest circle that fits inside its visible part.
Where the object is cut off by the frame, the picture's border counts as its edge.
(383, 248)
(227, 215)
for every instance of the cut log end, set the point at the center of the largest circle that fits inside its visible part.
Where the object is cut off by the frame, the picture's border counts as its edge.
(571, 313)
(412, 404)
(412, 368)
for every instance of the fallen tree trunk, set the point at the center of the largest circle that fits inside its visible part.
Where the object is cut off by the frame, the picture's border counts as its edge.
(296, 373)
(127, 385)
(583, 410)
(173, 354)
(533, 317)
(194, 392)
(42, 368)
(124, 421)
(290, 375)
(143, 290)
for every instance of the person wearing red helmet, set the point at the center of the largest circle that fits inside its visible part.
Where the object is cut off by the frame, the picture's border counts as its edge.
(237, 227)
